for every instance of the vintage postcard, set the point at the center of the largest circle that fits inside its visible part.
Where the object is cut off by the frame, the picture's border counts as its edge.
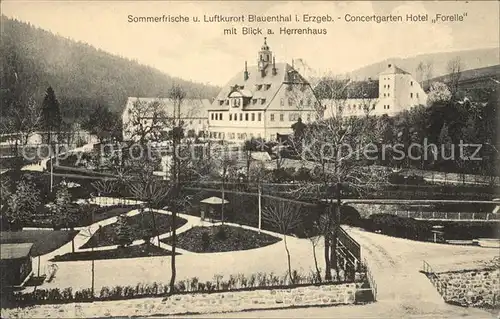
(250, 159)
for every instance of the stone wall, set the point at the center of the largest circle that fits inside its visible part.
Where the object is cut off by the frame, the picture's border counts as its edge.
(263, 299)
(472, 288)
(204, 303)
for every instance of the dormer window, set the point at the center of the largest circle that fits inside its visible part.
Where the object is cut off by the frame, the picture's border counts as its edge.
(227, 102)
(267, 86)
(242, 87)
(290, 101)
(254, 101)
(221, 102)
(262, 101)
(259, 86)
(236, 102)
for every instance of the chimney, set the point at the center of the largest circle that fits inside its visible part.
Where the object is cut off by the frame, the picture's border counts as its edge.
(245, 74)
(274, 66)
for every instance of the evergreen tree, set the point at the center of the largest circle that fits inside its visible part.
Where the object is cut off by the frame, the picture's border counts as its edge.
(123, 231)
(61, 208)
(51, 113)
(23, 203)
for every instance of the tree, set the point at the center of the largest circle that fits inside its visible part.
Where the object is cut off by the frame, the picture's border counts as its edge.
(177, 95)
(439, 93)
(23, 118)
(454, 68)
(342, 147)
(23, 203)
(123, 231)
(60, 208)
(51, 114)
(285, 216)
(145, 121)
(103, 123)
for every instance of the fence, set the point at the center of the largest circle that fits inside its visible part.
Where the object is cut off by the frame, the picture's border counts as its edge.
(465, 216)
(349, 243)
(431, 274)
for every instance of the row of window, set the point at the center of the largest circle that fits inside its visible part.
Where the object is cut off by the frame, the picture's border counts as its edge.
(292, 117)
(386, 86)
(358, 106)
(387, 95)
(386, 107)
(416, 95)
(265, 87)
(233, 136)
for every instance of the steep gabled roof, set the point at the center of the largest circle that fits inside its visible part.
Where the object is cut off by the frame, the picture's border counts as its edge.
(190, 108)
(257, 86)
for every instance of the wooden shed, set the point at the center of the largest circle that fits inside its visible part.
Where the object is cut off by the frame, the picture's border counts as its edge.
(15, 263)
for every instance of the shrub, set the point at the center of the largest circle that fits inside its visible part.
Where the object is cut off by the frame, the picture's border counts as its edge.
(205, 238)
(221, 233)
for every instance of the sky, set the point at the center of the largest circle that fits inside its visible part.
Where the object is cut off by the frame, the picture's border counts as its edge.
(202, 53)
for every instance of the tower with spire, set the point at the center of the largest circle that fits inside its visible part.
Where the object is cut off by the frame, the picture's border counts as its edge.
(265, 56)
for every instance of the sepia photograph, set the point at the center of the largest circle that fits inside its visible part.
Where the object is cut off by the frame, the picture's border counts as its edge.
(249, 159)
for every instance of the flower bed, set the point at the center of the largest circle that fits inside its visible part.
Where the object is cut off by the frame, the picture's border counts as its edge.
(140, 226)
(221, 239)
(143, 250)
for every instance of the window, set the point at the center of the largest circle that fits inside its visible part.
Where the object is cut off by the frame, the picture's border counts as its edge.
(411, 95)
(235, 118)
(259, 117)
(227, 102)
(385, 95)
(212, 116)
(246, 117)
(388, 94)
(259, 86)
(191, 122)
(282, 117)
(308, 101)
(262, 101)
(385, 86)
(272, 117)
(359, 107)
(308, 116)
(230, 117)
(220, 116)
(253, 116)
(301, 102)
(417, 95)
(241, 116)
(411, 83)
(254, 101)
(290, 101)
(242, 87)
(221, 102)
(282, 102)
(267, 86)
(388, 86)
(232, 136)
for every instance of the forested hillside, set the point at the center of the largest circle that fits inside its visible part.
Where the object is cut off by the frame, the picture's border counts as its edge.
(82, 76)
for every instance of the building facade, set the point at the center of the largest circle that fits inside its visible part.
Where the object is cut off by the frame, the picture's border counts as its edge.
(193, 114)
(261, 101)
(395, 91)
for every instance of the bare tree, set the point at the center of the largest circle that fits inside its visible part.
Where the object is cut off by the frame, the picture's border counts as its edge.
(454, 68)
(341, 148)
(285, 216)
(424, 72)
(146, 121)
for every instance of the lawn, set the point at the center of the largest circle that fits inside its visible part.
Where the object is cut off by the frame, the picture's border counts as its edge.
(221, 239)
(119, 253)
(44, 241)
(139, 224)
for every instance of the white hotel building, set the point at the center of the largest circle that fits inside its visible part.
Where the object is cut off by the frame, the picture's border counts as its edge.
(397, 91)
(261, 101)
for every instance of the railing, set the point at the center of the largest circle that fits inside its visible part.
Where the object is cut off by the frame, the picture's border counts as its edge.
(431, 274)
(465, 216)
(349, 243)
(371, 281)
